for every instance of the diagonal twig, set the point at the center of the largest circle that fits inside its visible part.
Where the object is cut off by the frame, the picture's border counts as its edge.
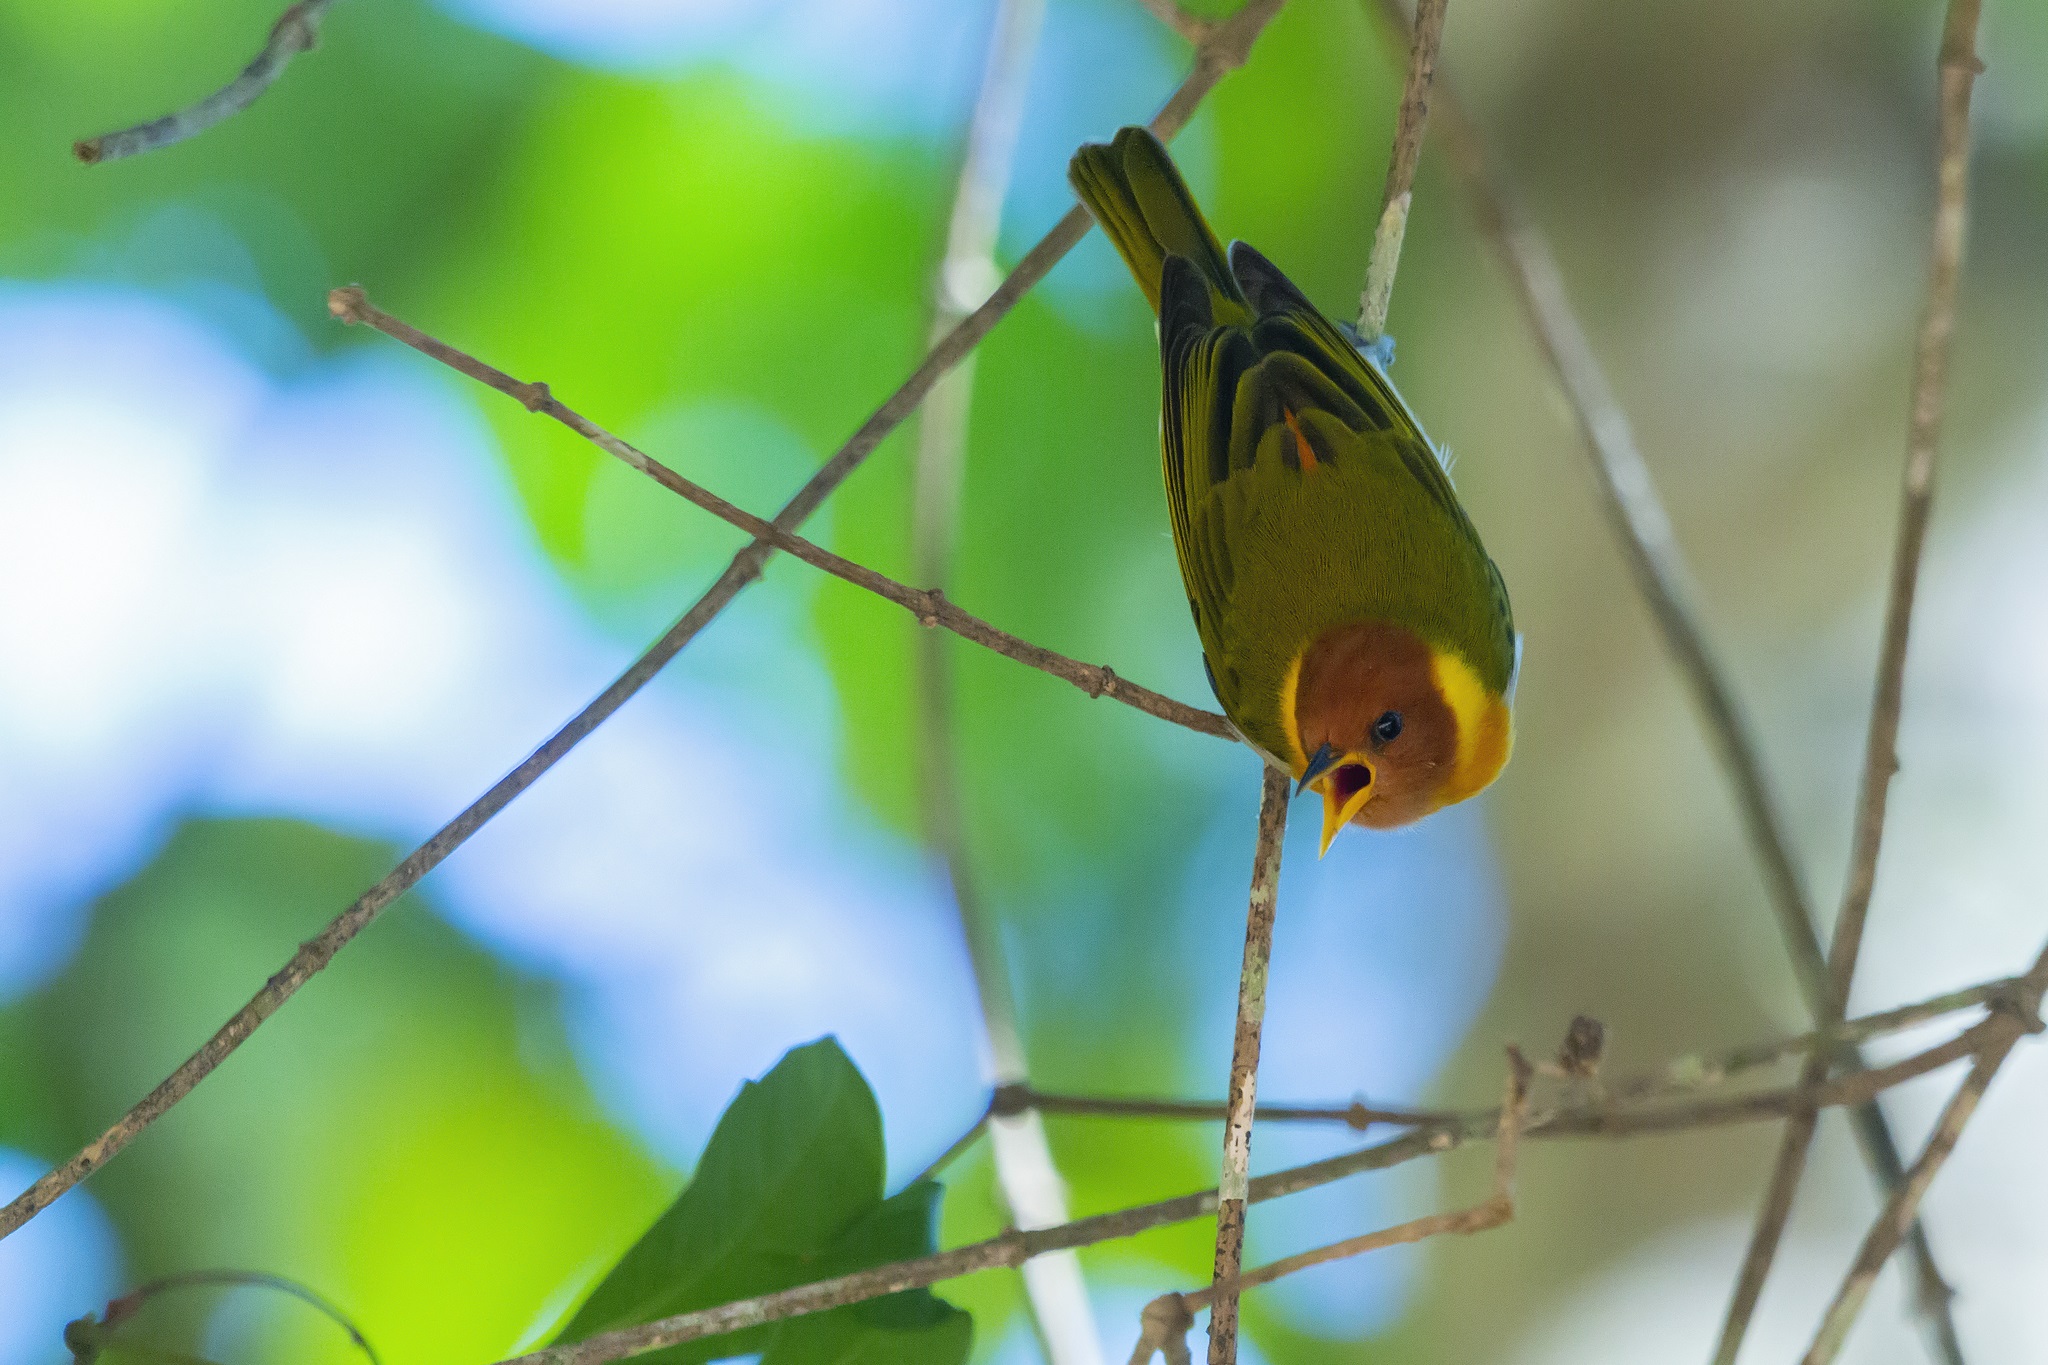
(1958, 67)
(931, 607)
(295, 31)
(2006, 1028)
(1026, 1174)
(1225, 50)
(1629, 497)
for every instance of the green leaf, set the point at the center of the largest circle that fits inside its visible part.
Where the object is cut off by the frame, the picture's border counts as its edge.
(789, 1191)
(795, 1162)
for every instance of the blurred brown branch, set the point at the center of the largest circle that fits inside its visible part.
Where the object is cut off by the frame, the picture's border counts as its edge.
(1679, 1108)
(1958, 67)
(1225, 49)
(1629, 496)
(295, 31)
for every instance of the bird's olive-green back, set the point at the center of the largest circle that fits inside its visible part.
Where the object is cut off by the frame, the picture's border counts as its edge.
(1276, 546)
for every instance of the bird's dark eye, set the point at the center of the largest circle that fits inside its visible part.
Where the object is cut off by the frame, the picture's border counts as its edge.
(1387, 728)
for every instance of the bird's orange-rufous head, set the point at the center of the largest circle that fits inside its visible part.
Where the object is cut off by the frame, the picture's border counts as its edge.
(1389, 728)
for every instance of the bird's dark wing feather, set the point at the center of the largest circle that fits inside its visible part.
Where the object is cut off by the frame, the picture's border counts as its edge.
(1288, 324)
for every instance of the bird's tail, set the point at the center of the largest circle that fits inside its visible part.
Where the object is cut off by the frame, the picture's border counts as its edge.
(1136, 193)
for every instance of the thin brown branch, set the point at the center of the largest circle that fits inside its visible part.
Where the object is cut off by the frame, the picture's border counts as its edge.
(1424, 42)
(2006, 1029)
(1166, 1321)
(1225, 50)
(1356, 1115)
(1686, 1075)
(1234, 1187)
(1630, 499)
(960, 1147)
(931, 607)
(1026, 1174)
(1697, 1070)
(1592, 1118)
(1958, 67)
(1192, 27)
(295, 31)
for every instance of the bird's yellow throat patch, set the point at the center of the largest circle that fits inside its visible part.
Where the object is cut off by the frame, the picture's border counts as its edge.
(1486, 731)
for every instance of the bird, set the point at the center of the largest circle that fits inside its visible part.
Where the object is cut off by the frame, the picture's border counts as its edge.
(1353, 627)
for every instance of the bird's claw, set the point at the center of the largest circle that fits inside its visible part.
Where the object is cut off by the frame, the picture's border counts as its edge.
(1380, 351)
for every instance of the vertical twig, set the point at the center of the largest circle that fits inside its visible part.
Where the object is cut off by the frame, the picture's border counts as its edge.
(1026, 1173)
(1630, 499)
(1234, 1188)
(1958, 66)
(1424, 42)
(1251, 992)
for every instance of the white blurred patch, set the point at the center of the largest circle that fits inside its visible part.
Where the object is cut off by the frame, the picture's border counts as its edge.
(1664, 1301)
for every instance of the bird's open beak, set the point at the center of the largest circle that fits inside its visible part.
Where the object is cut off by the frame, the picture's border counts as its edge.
(1321, 762)
(1346, 784)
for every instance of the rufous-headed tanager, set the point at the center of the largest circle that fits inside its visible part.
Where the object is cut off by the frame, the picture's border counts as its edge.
(1353, 627)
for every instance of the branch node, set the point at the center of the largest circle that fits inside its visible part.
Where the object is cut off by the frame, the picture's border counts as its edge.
(1164, 1326)
(1010, 1099)
(2021, 1001)
(348, 303)
(1585, 1042)
(1225, 46)
(296, 28)
(535, 396)
(1103, 679)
